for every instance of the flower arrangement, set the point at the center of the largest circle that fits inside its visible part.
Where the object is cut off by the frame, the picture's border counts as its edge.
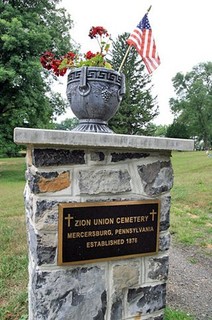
(59, 65)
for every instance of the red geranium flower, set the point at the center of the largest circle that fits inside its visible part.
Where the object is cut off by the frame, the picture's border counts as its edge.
(46, 59)
(70, 55)
(89, 55)
(59, 65)
(94, 31)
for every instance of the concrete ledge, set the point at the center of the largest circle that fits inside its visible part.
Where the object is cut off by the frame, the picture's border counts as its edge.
(41, 137)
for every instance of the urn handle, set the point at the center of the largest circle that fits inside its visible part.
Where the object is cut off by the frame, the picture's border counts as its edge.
(122, 91)
(84, 87)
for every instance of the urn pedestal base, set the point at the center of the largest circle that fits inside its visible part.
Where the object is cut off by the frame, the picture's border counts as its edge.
(92, 125)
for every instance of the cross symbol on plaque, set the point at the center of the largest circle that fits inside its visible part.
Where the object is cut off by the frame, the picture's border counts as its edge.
(69, 218)
(153, 214)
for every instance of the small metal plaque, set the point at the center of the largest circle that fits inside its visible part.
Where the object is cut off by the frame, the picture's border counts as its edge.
(107, 230)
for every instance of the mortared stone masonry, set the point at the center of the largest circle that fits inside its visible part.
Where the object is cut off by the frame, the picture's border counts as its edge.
(67, 167)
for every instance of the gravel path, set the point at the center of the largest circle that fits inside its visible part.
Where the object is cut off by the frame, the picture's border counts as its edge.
(190, 282)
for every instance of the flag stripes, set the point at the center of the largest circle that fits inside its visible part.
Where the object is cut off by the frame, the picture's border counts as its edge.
(142, 39)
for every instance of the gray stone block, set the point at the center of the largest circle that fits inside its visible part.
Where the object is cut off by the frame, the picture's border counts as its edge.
(57, 157)
(77, 293)
(117, 308)
(157, 268)
(165, 213)
(104, 180)
(146, 300)
(164, 241)
(42, 247)
(121, 156)
(157, 177)
(102, 310)
(97, 156)
(126, 275)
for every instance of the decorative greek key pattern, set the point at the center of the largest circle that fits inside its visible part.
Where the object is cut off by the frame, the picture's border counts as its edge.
(99, 74)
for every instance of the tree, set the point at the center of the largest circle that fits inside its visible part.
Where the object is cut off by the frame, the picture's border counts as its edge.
(192, 106)
(160, 130)
(67, 124)
(177, 130)
(138, 108)
(27, 28)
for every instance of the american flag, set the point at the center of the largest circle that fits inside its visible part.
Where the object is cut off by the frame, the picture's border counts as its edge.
(142, 39)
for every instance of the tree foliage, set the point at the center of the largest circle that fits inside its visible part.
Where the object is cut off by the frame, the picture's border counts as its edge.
(67, 124)
(160, 130)
(192, 106)
(27, 28)
(177, 130)
(138, 108)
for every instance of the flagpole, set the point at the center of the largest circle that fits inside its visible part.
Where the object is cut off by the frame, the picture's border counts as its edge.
(150, 7)
(128, 49)
(125, 57)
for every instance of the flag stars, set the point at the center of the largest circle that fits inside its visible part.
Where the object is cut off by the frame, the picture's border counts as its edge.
(144, 23)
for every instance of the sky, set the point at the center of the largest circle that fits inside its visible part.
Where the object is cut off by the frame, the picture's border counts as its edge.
(181, 28)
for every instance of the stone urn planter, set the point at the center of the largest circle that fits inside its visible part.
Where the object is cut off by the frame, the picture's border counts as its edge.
(94, 94)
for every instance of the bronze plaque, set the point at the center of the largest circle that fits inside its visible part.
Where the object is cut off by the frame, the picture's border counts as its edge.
(94, 231)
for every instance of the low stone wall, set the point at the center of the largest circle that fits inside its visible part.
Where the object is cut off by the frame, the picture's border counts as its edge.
(132, 288)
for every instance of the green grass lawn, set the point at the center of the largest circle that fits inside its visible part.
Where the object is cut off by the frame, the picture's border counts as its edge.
(191, 214)
(13, 249)
(191, 210)
(176, 315)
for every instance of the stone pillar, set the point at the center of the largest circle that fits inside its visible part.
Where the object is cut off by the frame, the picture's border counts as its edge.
(67, 167)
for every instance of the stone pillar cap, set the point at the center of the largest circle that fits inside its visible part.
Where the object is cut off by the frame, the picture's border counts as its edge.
(59, 138)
